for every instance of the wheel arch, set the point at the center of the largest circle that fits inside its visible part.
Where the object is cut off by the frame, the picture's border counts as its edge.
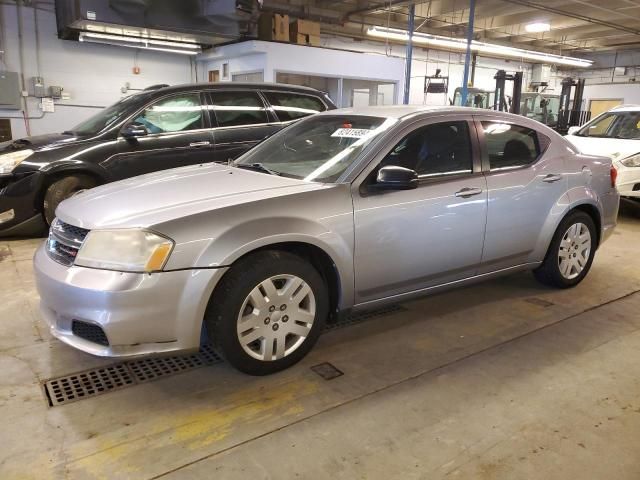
(54, 175)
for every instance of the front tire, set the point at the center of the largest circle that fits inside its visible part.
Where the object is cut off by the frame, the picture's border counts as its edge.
(61, 190)
(267, 312)
(571, 252)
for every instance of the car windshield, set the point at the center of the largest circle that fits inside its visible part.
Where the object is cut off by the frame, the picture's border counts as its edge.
(110, 115)
(318, 149)
(623, 125)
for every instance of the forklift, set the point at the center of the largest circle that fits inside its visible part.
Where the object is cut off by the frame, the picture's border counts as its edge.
(500, 102)
(570, 113)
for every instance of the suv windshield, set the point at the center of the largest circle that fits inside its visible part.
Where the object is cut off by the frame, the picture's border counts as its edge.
(317, 149)
(110, 115)
(623, 125)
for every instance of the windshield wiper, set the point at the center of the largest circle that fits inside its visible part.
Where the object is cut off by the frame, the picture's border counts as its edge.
(257, 167)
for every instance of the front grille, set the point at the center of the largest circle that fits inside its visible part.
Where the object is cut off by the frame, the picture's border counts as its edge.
(90, 332)
(64, 241)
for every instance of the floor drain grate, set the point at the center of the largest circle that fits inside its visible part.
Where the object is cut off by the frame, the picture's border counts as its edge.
(363, 316)
(151, 368)
(327, 371)
(88, 384)
(74, 387)
(94, 382)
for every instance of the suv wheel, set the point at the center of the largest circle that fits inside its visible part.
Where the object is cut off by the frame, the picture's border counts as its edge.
(571, 252)
(61, 190)
(267, 312)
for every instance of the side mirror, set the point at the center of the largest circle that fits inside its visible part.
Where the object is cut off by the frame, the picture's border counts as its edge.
(396, 178)
(134, 130)
(573, 130)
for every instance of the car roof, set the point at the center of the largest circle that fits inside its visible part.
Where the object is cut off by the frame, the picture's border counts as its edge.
(402, 111)
(626, 108)
(235, 85)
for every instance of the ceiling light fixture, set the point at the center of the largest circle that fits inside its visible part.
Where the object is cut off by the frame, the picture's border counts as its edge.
(489, 49)
(537, 27)
(140, 42)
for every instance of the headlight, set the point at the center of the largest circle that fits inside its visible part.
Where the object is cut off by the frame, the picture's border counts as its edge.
(124, 250)
(9, 161)
(632, 161)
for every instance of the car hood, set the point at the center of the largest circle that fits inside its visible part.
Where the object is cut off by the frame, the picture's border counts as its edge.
(159, 197)
(614, 148)
(38, 142)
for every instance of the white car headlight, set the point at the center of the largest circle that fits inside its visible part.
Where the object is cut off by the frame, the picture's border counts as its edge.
(9, 161)
(632, 161)
(124, 250)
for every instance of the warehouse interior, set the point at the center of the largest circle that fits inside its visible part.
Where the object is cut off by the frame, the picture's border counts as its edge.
(502, 378)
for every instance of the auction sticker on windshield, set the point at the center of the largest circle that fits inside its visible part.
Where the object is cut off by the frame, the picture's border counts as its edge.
(351, 132)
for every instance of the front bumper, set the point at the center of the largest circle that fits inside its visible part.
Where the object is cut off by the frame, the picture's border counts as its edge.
(20, 194)
(628, 179)
(140, 314)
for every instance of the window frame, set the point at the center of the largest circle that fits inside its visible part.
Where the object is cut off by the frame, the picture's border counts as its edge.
(206, 122)
(542, 140)
(264, 91)
(271, 119)
(367, 172)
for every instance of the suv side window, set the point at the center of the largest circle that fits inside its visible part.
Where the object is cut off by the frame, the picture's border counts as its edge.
(238, 108)
(291, 106)
(174, 114)
(510, 146)
(436, 149)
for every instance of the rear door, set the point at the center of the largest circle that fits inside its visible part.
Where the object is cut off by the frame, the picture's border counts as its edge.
(241, 120)
(179, 133)
(524, 186)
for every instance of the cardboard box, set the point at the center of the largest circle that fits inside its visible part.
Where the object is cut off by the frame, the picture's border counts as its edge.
(273, 27)
(305, 27)
(302, 39)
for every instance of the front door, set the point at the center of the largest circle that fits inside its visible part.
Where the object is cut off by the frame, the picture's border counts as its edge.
(242, 121)
(177, 134)
(408, 240)
(525, 185)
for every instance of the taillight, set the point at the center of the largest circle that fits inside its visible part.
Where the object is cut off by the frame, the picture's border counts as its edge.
(614, 175)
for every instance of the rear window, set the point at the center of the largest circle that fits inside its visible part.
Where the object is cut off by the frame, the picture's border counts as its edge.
(510, 146)
(291, 106)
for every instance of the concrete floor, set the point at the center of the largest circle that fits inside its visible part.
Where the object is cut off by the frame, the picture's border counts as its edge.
(478, 383)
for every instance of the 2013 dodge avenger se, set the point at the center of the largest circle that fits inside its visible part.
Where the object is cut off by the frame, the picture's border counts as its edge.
(346, 209)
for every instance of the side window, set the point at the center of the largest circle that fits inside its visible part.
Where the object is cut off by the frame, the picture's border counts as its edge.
(510, 146)
(291, 106)
(437, 149)
(238, 108)
(174, 114)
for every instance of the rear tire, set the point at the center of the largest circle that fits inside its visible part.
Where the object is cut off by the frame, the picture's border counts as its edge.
(267, 312)
(61, 190)
(571, 252)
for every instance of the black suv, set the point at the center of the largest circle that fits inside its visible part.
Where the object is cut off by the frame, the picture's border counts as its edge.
(161, 127)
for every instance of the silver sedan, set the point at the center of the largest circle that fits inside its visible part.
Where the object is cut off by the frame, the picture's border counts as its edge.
(349, 209)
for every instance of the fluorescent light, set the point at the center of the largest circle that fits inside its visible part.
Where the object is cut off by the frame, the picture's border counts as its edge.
(140, 42)
(537, 27)
(480, 47)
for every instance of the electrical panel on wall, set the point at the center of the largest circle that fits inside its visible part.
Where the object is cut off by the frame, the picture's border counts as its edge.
(5, 130)
(10, 98)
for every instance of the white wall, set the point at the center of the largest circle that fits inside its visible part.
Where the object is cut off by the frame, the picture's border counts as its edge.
(91, 74)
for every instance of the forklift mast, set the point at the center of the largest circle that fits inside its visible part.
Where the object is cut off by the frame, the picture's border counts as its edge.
(570, 113)
(499, 101)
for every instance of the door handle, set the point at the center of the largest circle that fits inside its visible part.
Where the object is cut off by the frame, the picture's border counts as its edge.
(200, 144)
(552, 177)
(468, 192)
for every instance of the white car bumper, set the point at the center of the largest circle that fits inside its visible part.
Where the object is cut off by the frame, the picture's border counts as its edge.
(628, 182)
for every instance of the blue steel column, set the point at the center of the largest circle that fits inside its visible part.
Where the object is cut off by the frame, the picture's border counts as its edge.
(407, 67)
(467, 58)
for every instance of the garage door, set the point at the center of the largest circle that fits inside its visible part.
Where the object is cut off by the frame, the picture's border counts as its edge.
(596, 107)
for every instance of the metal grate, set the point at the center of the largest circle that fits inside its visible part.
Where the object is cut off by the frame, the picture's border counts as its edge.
(539, 302)
(90, 332)
(327, 371)
(148, 369)
(71, 388)
(88, 384)
(363, 316)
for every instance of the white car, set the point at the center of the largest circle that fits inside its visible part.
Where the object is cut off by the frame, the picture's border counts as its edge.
(614, 134)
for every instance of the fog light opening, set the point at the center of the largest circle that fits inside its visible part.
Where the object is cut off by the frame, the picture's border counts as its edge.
(7, 216)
